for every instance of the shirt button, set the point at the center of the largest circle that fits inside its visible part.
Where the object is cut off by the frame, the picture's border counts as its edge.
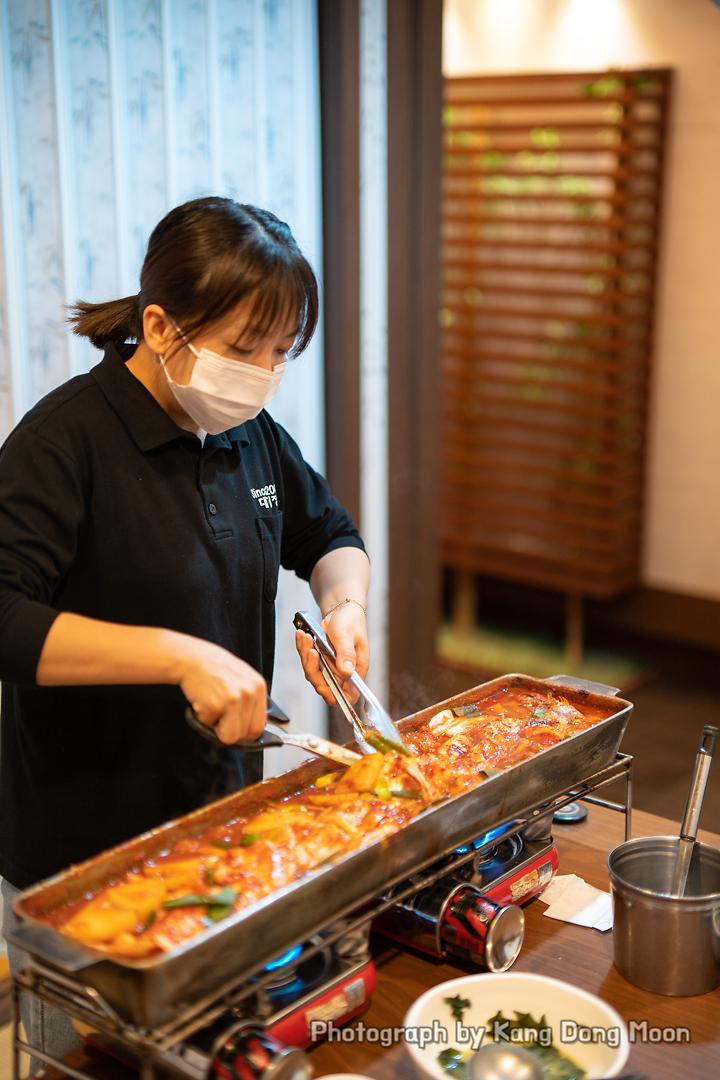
(212, 508)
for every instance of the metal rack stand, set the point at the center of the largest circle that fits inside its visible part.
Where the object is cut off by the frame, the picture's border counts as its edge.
(87, 1005)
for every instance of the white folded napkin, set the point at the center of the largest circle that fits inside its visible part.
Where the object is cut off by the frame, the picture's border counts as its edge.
(572, 900)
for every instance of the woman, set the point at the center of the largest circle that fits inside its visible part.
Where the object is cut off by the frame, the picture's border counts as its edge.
(145, 510)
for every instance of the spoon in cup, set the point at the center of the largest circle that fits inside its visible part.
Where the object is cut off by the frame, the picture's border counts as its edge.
(498, 1061)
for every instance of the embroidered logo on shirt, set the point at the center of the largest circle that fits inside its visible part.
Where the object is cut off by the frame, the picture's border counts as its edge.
(265, 496)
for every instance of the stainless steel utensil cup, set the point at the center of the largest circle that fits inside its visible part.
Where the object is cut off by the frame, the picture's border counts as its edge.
(666, 944)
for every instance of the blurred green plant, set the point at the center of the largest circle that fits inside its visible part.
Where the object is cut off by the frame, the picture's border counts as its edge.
(545, 138)
(604, 87)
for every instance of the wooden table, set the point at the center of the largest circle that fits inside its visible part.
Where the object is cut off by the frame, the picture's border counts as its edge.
(574, 953)
(577, 954)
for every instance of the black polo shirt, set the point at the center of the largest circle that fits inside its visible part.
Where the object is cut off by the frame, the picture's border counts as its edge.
(110, 510)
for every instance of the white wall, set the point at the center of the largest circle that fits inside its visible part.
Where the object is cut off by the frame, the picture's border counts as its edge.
(682, 542)
(374, 509)
(111, 112)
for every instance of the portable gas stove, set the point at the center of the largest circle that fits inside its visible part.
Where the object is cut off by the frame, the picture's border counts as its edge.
(470, 913)
(265, 1034)
(473, 913)
(244, 1001)
(466, 905)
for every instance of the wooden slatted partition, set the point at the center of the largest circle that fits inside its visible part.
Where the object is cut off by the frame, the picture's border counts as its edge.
(551, 210)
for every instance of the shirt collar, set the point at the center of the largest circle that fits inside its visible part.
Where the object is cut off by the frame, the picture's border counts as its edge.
(145, 419)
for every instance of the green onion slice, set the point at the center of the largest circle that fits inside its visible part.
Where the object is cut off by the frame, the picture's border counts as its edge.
(225, 898)
(385, 746)
(147, 924)
(219, 911)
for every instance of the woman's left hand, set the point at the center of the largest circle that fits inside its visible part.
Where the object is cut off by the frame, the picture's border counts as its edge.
(341, 573)
(347, 630)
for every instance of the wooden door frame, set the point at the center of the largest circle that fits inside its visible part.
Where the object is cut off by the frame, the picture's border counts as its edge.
(414, 175)
(414, 42)
(339, 52)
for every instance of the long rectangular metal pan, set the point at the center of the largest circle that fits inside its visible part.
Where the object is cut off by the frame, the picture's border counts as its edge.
(152, 992)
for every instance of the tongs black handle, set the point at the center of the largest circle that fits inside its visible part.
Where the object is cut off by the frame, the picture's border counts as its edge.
(275, 713)
(303, 621)
(267, 739)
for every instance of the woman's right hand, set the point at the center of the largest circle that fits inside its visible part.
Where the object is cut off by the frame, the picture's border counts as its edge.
(226, 693)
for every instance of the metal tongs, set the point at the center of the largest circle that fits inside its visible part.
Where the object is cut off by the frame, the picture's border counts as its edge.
(376, 730)
(691, 818)
(290, 737)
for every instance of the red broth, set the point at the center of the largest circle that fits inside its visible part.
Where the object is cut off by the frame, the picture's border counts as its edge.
(201, 880)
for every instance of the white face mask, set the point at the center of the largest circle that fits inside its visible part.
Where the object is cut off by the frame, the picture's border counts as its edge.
(223, 393)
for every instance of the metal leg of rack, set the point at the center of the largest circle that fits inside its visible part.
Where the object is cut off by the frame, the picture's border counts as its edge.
(20, 1046)
(628, 801)
(15, 1032)
(624, 807)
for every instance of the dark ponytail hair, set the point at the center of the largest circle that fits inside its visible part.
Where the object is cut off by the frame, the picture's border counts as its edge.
(203, 258)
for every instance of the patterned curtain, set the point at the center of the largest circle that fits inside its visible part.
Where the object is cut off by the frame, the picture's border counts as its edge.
(113, 111)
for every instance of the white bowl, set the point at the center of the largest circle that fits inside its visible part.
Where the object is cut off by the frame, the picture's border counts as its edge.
(510, 993)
